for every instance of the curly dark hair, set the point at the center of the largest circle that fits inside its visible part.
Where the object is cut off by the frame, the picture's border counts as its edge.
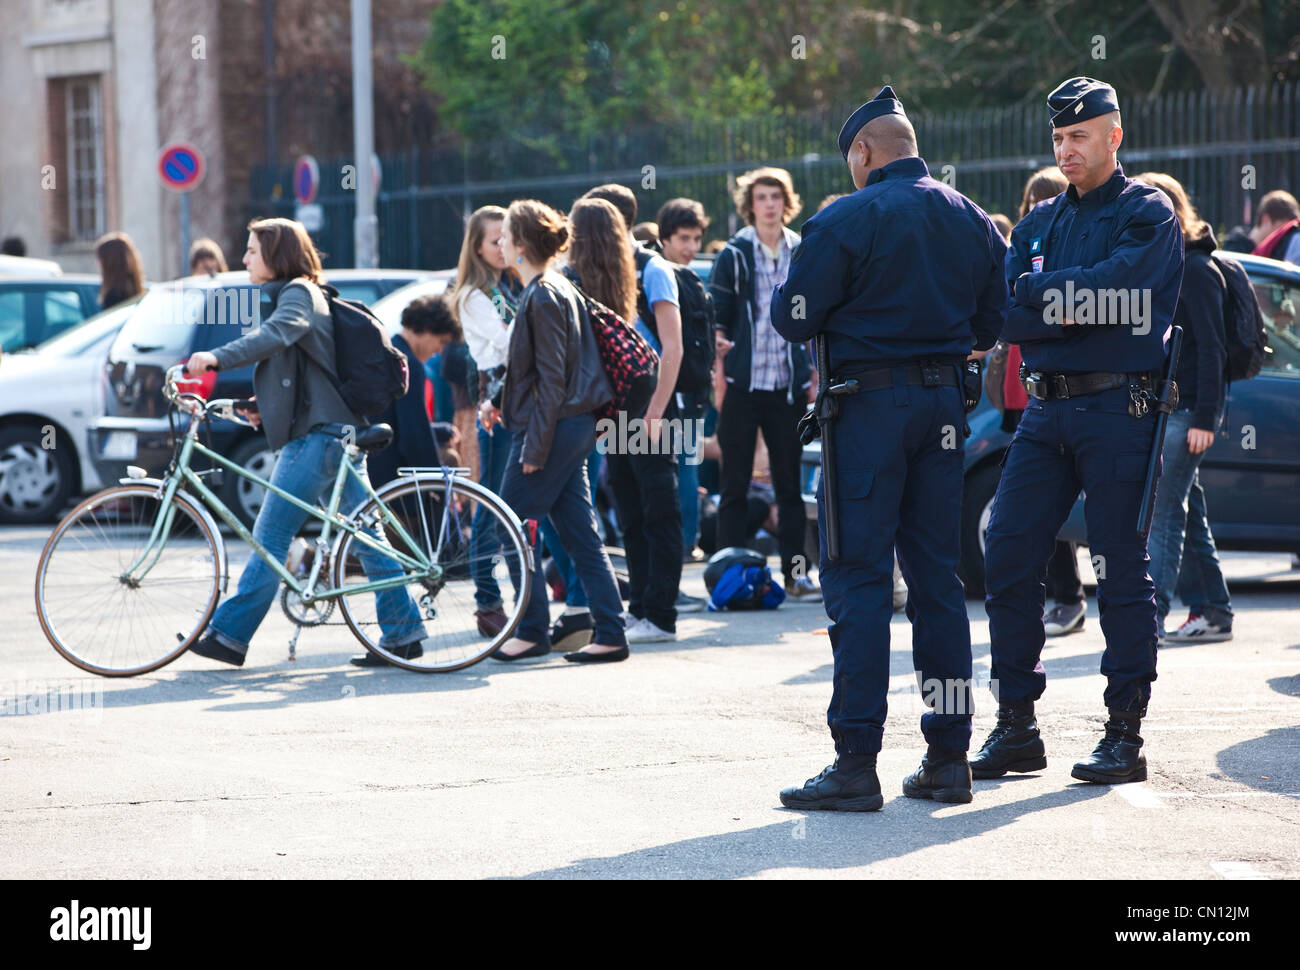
(431, 314)
(678, 214)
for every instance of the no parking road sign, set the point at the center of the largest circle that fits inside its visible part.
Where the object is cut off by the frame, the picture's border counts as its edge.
(306, 179)
(181, 166)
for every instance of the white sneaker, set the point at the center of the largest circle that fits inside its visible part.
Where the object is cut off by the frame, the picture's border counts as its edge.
(643, 631)
(1199, 630)
(804, 590)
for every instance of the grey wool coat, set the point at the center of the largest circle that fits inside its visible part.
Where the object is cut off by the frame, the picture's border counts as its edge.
(294, 352)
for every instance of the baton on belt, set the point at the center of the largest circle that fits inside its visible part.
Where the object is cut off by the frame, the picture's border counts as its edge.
(1166, 401)
(830, 486)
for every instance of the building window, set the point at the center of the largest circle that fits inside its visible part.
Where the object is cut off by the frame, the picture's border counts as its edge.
(85, 143)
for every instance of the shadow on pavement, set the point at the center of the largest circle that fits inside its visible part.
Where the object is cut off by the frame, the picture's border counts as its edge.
(319, 677)
(825, 841)
(1271, 762)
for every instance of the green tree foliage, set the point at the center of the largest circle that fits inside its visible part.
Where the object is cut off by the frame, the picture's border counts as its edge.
(545, 71)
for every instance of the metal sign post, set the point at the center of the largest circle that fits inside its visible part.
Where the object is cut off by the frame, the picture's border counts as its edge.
(366, 227)
(181, 168)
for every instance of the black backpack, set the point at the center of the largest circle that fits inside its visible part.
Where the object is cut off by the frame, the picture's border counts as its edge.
(696, 305)
(371, 372)
(1243, 323)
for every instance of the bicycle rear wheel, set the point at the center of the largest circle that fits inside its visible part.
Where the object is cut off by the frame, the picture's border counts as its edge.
(97, 618)
(441, 611)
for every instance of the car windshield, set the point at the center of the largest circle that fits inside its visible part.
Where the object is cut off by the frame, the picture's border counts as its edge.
(72, 342)
(165, 319)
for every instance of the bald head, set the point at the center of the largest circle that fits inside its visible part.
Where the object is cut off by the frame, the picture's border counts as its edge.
(881, 141)
(891, 137)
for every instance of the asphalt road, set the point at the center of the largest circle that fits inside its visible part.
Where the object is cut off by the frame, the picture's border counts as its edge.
(667, 765)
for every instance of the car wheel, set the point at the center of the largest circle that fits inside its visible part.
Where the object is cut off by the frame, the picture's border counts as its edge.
(245, 497)
(35, 482)
(977, 505)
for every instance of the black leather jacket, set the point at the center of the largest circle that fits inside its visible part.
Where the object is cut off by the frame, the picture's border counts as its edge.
(553, 370)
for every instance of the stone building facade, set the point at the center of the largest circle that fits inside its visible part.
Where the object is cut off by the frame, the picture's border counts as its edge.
(94, 88)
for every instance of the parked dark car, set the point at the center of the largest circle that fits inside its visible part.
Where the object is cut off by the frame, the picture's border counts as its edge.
(1251, 475)
(35, 308)
(173, 321)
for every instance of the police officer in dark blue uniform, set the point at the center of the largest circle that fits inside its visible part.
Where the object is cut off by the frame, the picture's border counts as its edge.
(901, 279)
(1095, 274)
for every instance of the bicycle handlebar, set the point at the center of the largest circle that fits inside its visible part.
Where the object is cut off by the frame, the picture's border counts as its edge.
(193, 404)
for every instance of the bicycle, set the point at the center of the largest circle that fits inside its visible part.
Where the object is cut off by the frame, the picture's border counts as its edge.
(129, 579)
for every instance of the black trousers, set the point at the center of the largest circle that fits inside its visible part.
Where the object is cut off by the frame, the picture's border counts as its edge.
(1063, 582)
(743, 414)
(645, 488)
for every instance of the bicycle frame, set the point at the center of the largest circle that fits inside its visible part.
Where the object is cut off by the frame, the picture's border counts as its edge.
(417, 566)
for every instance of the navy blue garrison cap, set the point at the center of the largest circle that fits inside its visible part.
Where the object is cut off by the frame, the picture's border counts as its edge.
(1081, 99)
(884, 103)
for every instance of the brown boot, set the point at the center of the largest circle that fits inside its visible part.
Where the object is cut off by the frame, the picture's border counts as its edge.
(491, 622)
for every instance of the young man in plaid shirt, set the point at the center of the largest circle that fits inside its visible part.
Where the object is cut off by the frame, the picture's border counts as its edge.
(769, 381)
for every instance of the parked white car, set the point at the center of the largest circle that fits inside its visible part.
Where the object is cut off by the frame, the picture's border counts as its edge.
(27, 266)
(48, 396)
(389, 308)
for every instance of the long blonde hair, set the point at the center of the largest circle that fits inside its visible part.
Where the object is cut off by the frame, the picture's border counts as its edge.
(473, 272)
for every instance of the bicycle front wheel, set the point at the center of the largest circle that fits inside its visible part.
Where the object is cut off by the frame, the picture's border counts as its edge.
(118, 625)
(437, 611)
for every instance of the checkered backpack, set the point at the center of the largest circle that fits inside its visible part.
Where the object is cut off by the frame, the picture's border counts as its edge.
(630, 363)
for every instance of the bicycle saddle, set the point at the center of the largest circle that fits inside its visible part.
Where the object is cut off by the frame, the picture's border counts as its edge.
(375, 438)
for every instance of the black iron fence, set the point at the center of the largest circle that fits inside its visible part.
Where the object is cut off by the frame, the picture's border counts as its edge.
(1227, 149)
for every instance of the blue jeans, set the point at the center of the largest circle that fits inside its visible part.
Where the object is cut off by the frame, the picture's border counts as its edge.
(1200, 580)
(558, 490)
(493, 451)
(306, 470)
(1180, 533)
(688, 480)
(574, 594)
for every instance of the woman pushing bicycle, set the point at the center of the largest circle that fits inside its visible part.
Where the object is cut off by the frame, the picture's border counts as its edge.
(305, 418)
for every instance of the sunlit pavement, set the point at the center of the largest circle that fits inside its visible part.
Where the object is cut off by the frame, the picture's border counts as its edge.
(667, 765)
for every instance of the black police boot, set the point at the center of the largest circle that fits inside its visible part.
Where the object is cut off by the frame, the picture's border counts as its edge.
(849, 785)
(1013, 745)
(1118, 757)
(944, 776)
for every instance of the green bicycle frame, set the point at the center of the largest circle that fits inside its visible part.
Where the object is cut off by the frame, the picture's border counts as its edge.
(418, 566)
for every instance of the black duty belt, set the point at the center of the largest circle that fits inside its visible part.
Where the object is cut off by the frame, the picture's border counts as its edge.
(936, 374)
(1047, 387)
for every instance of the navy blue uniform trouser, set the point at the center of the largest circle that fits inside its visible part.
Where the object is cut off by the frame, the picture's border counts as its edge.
(1061, 446)
(899, 454)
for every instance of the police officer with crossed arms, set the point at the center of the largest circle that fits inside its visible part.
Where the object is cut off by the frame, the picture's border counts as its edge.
(1095, 274)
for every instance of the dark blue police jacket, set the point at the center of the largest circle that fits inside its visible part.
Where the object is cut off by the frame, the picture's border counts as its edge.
(905, 267)
(1112, 261)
